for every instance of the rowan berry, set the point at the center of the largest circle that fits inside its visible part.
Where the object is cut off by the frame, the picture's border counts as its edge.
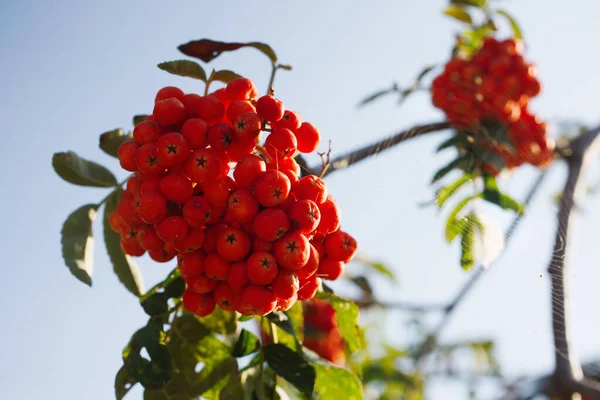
(171, 228)
(281, 143)
(202, 283)
(203, 166)
(196, 211)
(218, 191)
(242, 206)
(269, 108)
(308, 288)
(288, 166)
(194, 131)
(241, 89)
(312, 188)
(261, 245)
(191, 264)
(247, 125)
(286, 304)
(115, 221)
(330, 217)
(248, 169)
(238, 275)
(172, 149)
(220, 136)
(308, 137)
(191, 242)
(271, 188)
(128, 155)
(292, 251)
(340, 246)
(147, 159)
(238, 107)
(133, 248)
(210, 109)
(200, 304)
(271, 224)
(257, 300)
(210, 237)
(233, 244)
(161, 255)
(153, 207)
(149, 240)
(176, 188)
(216, 267)
(286, 284)
(330, 269)
(169, 111)
(305, 216)
(224, 297)
(312, 265)
(290, 120)
(191, 102)
(262, 268)
(169, 91)
(239, 148)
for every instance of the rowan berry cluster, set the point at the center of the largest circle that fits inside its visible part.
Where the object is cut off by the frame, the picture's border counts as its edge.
(321, 333)
(495, 84)
(249, 234)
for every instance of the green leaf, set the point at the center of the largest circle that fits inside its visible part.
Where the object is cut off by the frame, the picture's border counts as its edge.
(207, 50)
(492, 194)
(377, 266)
(446, 192)
(244, 318)
(186, 68)
(466, 247)
(455, 226)
(225, 76)
(513, 24)
(284, 66)
(286, 334)
(247, 343)
(459, 13)
(139, 118)
(347, 319)
(465, 163)
(220, 321)
(80, 171)
(376, 95)
(123, 265)
(474, 3)
(78, 243)
(292, 367)
(364, 285)
(123, 383)
(296, 318)
(111, 140)
(336, 383)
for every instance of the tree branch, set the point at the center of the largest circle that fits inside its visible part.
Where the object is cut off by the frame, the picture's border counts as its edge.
(355, 156)
(568, 374)
(403, 306)
(432, 338)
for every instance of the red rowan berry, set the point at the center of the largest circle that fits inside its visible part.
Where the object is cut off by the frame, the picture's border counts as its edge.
(340, 246)
(242, 206)
(196, 211)
(292, 251)
(171, 228)
(269, 108)
(248, 169)
(281, 143)
(247, 125)
(216, 267)
(147, 159)
(257, 300)
(210, 237)
(286, 304)
(308, 288)
(241, 89)
(203, 304)
(194, 130)
(262, 268)
(128, 155)
(125, 210)
(170, 111)
(134, 184)
(221, 94)
(150, 184)
(161, 256)
(191, 102)
(223, 296)
(202, 283)
(305, 216)
(133, 248)
(216, 215)
(169, 91)
(149, 239)
(176, 188)
(308, 137)
(312, 265)
(172, 149)
(238, 107)
(271, 188)
(239, 148)
(330, 269)
(146, 132)
(233, 244)
(153, 207)
(115, 221)
(312, 188)
(288, 166)
(271, 224)
(220, 136)
(210, 109)
(203, 166)
(218, 191)
(330, 217)
(286, 284)
(191, 242)
(261, 245)
(191, 264)
(238, 276)
(291, 120)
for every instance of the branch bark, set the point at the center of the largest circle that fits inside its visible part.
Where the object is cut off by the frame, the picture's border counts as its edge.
(348, 159)
(568, 374)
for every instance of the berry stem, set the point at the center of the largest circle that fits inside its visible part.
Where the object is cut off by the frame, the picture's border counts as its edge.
(173, 275)
(208, 82)
(274, 68)
(120, 184)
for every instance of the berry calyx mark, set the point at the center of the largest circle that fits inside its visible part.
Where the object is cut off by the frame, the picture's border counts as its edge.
(152, 160)
(265, 262)
(172, 149)
(231, 239)
(291, 246)
(277, 193)
(201, 161)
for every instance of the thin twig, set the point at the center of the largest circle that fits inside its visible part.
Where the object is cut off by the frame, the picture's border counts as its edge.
(362, 153)
(432, 338)
(403, 306)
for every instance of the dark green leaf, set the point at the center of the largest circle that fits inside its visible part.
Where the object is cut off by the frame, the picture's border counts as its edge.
(296, 318)
(454, 226)
(347, 319)
(282, 321)
(336, 383)
(513, 24)
(326, 288)
(80, 171)
(464, 162)
(364, 285)
(247, 343)
(220, 321)
(492, 194)
(123, 383)
(225, 76)
(156, 304)
(474, 3)
(78, 244)
(187, 68)
(466, 247)
(207, 50)
(459, 13)
(175, 288)
(292, 367)
(244, 318)
(376, 95)
(445, 193)
(125, 268)
(139, 118)
(111, 140)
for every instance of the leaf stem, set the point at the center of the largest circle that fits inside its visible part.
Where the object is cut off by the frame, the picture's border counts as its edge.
(261, 377)
(209, 81)
(174, 274)
(274, 68)
(111, 192)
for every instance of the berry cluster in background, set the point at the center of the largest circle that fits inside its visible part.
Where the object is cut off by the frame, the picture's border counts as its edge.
(248, 232)
(495, 84)
(321, 332)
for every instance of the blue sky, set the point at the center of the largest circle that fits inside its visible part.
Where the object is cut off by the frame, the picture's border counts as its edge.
(72, 70)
